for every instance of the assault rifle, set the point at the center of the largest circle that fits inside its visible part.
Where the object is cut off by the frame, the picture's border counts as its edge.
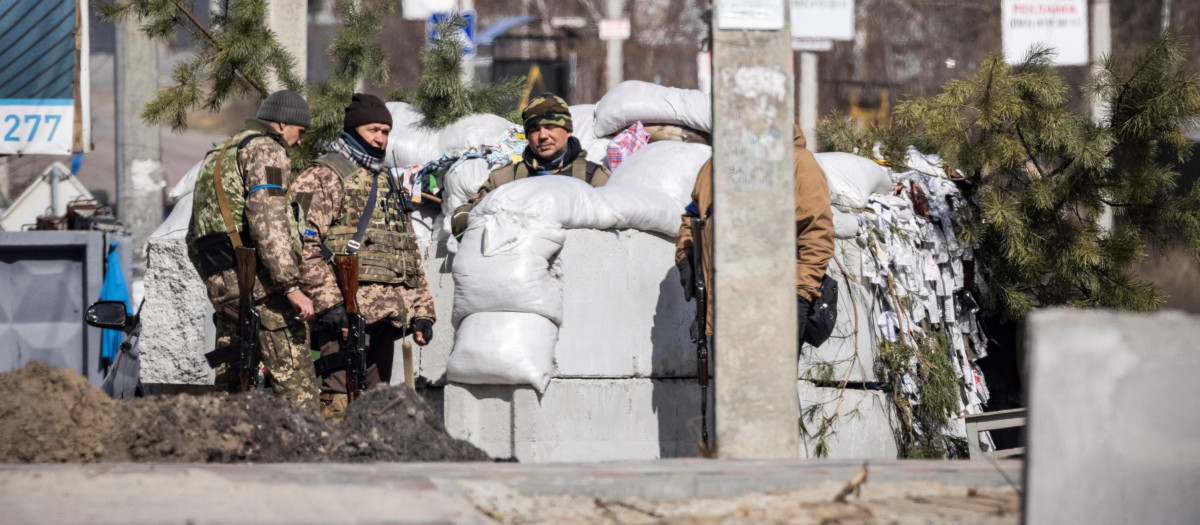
(699, 337)
(245, 351)
(353, 347)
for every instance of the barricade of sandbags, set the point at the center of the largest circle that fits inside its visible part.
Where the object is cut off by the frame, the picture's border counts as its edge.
(633, 101)
(412, 142)
(853, 179)
(669, 167)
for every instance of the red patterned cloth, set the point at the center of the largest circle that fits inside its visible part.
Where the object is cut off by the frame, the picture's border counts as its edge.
(625, 143)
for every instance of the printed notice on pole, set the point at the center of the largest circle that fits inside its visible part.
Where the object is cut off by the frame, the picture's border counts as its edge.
(1058, 24)
(822, 19)
(761, 15)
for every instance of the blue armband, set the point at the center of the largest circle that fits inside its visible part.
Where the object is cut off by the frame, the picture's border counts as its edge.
(264, 187)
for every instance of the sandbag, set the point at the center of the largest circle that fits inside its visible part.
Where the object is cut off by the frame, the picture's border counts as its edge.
(458, 186)
(852, 179)
(563, 201)
(411, 142)
(472, 131)
(583, 119)
(503, 348)
(187, 183)
(667, 166)
(845, 225)
(633, 100)
(645, 209)
(676, 133)
(507, 276)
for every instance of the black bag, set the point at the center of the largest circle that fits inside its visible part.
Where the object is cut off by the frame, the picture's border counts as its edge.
(822, 315)
(215, 252)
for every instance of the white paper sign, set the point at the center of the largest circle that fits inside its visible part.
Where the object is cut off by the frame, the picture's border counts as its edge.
(1059, 24)
(823, 19)
(423, 9)
(760, 15)
(44, 126)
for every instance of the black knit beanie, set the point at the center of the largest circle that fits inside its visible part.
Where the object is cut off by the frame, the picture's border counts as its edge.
(285, 106)
(366, 109)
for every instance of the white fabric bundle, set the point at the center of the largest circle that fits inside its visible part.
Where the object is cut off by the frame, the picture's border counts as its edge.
(504, 348)
(668, 166)
(411, 142)
(472, 131)
(633, 101)
(853, 179)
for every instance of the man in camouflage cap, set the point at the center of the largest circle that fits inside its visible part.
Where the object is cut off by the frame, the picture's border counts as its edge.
(241, 199)
(346, 188)
(551, 151)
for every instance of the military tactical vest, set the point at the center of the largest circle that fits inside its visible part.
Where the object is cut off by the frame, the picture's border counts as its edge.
(388, 253)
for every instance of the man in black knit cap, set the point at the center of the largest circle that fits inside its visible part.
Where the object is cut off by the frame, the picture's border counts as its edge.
(335, 192)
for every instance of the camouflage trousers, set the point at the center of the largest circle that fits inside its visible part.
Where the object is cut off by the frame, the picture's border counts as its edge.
(381, 350)
(285, 354)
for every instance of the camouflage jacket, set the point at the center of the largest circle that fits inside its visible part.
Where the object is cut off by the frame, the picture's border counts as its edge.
(322, 189)
(265, 175)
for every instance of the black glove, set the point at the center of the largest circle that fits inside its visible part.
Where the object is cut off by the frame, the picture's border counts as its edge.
(687, 277)
(802, 308)
(334, 320)
(424, 327)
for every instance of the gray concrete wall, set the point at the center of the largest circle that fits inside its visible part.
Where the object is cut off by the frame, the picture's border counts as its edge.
(1114, 434)
(175, 319)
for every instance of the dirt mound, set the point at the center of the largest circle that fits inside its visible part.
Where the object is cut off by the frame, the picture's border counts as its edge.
(395, 424)
(53, 415)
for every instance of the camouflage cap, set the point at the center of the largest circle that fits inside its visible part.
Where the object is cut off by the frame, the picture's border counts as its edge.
(547, 109)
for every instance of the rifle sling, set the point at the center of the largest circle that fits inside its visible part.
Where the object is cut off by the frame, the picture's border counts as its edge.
(328, 364)
(365, 218)
(223, 201)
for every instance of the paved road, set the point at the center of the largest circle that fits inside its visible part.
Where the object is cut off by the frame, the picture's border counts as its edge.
(415, 493)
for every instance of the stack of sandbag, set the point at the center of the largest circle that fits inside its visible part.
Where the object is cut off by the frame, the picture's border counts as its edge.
(852, 181)
(412, 142)
(583, 119)
(632, 101)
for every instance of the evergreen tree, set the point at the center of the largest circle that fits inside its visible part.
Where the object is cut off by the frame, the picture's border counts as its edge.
(443, 96)
(1040, 176)
(233, 56)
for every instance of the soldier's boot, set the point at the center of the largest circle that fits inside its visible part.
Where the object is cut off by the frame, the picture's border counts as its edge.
(333, 406)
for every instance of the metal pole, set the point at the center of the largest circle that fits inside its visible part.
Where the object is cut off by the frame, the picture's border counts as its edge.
(138, 163)
(615, 59)
(808, 97)
(288, 19)
(757, 410)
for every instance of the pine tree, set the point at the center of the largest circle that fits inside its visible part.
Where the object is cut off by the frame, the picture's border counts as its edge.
(1040, 176)
(234, 55)
(443, 96)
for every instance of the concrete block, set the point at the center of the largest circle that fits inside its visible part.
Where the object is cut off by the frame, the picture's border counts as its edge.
(482, 415)
(431, 359)
(1112, 435)
(625, 315)
(851, 348)
(863, 428)
(580, 420)
(173, 338)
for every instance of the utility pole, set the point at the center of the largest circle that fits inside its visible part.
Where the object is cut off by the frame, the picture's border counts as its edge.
(468, 63)
(615, 60)
(757, 410)
(808, 97)
(1101, 46)
(139, 155)
(288, 19)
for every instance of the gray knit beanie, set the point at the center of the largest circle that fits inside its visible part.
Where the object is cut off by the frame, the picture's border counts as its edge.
(285, 106)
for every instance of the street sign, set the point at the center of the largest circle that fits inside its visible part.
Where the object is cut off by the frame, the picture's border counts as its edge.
(759, 15)
(576, 22)
(1059, 24)
(467, 35)
(811, 44)
(615, 29)
(43, 63)
(822, 19)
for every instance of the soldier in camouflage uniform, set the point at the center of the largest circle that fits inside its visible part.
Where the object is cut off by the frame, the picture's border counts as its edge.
(393, 295)
(551, 151)
(254, 175)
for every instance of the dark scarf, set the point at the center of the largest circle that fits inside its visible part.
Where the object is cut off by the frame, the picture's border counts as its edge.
(352, 146)
(553, 166)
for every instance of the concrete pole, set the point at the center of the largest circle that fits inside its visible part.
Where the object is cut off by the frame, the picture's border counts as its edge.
(757, 410)
(615, 60)
(288, 19)
(1101, 33)
(4, 183)
(468, 65)
(1166, 16)
(139, 155)
(808, 97)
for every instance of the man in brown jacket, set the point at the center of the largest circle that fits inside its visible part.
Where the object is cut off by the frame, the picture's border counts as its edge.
(551, 151)
(340, 188)
(814, 231)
